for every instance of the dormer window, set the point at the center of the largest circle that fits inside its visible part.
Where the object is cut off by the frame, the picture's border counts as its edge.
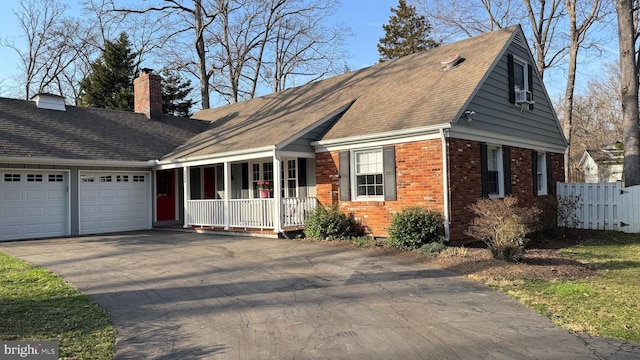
(520, 82)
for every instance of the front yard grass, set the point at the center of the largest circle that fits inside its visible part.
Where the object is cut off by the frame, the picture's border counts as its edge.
(606, 304)
(37, 305)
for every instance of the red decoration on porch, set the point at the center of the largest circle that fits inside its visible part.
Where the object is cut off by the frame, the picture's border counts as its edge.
(265, 188)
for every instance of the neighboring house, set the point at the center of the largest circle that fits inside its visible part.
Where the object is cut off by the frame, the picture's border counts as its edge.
(604, 165)
(439, 129)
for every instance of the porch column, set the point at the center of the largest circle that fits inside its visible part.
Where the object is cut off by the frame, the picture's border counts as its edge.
(227, 193)
(277, 193)
(186, 186)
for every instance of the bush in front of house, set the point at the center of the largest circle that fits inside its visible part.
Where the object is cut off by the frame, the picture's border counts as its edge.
(413, 227)
(328, 224)
(503, 226)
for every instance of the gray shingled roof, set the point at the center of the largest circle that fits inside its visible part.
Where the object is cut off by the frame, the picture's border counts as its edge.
(88, 133)
(407, 93)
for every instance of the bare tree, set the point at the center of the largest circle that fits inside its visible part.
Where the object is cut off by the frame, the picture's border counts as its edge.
(265, 44)
(577, 35)
(480, 16)
(627, 36)
(544, 17)
(195, 18)
(53, 44)
(475, 17)
(597, 118)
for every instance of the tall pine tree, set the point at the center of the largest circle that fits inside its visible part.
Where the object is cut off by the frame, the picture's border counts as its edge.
(175, 91)
(406, 33)
(109, 85)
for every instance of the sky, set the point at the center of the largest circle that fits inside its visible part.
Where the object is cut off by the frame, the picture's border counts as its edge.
(364, 17)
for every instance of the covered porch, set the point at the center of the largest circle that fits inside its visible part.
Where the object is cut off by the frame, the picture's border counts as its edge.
(247, 193)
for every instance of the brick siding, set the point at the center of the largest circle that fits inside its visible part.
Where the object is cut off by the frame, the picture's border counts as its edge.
(419, 182)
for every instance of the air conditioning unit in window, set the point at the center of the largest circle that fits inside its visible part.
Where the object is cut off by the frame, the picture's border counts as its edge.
(524, 97)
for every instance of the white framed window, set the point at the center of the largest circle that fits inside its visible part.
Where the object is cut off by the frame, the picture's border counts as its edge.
(368, 179)
(289, 178)
(495, 171)
(261, 172)
(541, 175)
(520, 76)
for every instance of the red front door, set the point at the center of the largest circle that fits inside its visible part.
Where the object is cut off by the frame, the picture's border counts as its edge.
(210, 183)
(165, 195)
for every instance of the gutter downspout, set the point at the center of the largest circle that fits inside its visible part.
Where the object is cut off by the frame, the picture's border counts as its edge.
(445, 185)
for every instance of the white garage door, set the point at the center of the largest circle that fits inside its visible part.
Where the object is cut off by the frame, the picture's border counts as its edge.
(114, 201)
(33, 204)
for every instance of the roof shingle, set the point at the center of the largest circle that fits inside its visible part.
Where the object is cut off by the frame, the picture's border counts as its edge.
(410, 92)
(88, 133)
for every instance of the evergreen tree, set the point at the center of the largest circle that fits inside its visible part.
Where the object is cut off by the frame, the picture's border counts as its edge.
(406, 33)
(174, 94)
(109, 85)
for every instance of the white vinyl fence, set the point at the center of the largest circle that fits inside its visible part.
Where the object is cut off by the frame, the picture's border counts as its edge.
(603, 206)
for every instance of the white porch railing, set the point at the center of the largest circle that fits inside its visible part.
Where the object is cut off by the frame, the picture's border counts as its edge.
(251, 213)
(248, 213)
(296, 210)
(205, 213)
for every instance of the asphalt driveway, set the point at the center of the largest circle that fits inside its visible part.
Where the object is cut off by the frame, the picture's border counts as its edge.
(178, 295)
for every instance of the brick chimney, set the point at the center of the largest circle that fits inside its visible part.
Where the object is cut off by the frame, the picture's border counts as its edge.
(147, 94)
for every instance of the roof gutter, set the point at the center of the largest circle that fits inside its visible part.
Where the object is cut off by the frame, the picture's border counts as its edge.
(74, 162)
(389, 136)
(236, 155)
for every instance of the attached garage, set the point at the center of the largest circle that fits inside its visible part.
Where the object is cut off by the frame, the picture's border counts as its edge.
(34, 204)
(114, 201)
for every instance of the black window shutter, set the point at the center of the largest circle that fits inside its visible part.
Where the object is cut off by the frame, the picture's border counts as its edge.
(344, 170)
(512, 84)
(530, 81)
(506, 160)
(245, 176)
(551, 186)
(302, 172)
(484, 170)
(389, 166)
(534, 171)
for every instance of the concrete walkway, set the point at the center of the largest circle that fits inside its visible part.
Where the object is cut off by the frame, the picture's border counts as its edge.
(191, 296)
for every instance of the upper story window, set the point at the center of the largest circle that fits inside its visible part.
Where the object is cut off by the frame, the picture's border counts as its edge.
(520, 75)
(520, 82)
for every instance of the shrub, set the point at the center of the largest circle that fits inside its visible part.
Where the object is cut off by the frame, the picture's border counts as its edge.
(413, 227)
(431, 249)
(559, 214)
(568, 211)
(364, 241)
(503, 226)
(327, 224)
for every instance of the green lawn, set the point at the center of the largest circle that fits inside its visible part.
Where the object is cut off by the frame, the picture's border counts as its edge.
(37, 305)
(607, 304)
